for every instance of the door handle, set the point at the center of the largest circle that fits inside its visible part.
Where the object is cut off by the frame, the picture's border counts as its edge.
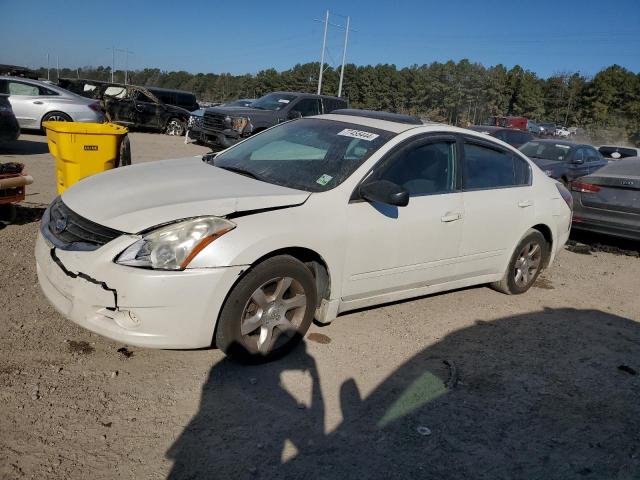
(451, 217)
(525, 203)
(37, 102)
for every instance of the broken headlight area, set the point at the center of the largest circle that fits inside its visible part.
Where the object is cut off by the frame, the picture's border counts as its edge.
(173, 246)
(238, 124)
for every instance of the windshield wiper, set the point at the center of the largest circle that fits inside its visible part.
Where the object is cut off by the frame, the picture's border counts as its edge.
(240, 171)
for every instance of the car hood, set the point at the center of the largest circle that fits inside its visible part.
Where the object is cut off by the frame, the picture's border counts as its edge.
(134, 198)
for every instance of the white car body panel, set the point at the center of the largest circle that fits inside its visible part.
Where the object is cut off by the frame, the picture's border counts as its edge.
(169, 190)
(372, 258)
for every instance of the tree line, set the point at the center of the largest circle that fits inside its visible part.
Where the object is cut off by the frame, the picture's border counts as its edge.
(460, 93)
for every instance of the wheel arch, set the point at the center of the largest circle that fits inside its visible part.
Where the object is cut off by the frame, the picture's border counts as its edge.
(53, 111)
(312, 259)
(547, 233)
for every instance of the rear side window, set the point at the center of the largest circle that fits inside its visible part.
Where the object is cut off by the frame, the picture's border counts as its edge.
(486, 167)
(618, 152)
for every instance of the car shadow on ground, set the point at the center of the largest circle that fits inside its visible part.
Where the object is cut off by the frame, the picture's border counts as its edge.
(20, 214)
(550, 394)
(605, 243)
(24, 147)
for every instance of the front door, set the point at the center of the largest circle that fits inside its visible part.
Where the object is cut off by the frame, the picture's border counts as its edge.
(398, 248)
(26, 101)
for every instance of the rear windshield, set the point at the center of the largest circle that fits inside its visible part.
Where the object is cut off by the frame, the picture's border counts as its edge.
(618, 152)
(546, 151)
(307, 154)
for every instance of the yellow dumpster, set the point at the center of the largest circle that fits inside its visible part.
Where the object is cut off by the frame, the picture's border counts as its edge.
(84, 149)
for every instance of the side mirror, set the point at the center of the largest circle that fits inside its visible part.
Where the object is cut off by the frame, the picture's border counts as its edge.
(384, 191)
(578, 161)
(293, 114)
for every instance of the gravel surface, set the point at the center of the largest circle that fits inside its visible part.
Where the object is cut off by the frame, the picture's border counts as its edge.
(470, 383)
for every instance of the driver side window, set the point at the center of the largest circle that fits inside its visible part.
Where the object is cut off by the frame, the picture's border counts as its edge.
(307, 107)
(422, 170)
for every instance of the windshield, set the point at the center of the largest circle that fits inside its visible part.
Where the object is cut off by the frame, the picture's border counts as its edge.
(546, 151)
(307, 154)
(273, 101)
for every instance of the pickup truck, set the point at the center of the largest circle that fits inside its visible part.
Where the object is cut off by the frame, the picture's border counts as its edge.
(224, 126)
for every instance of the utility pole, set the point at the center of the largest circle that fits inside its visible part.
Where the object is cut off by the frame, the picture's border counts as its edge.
(113, 62)
(324, 45)
(126, 64)
(48, 67)
(344, 56)
(58, 67)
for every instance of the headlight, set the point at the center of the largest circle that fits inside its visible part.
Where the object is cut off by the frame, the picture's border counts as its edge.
(236, 123)
(172, 247)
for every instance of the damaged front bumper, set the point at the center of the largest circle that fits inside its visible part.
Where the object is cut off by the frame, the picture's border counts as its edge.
(141, 307)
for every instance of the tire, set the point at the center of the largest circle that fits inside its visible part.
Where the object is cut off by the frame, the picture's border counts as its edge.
(56, 117)
(176, 127)
(532, 249)
(124, 154)
(268, 311)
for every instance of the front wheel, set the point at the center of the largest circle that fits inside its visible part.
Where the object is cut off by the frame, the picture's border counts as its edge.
(176, 127)
(525, 265)
(268, 311)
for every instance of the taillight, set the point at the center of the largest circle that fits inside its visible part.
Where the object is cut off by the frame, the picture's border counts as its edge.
(95, 107)
(584, 187)
(565, 194)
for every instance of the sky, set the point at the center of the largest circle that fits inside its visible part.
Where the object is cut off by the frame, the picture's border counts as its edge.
(544, 36)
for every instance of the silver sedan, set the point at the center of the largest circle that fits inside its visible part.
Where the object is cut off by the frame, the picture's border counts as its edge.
(34, 102)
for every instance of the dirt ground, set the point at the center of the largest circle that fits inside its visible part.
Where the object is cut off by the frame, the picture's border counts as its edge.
(469, 384)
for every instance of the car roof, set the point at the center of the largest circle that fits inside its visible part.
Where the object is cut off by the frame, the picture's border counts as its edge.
(305, 94)
(380, 115)
(559, 142)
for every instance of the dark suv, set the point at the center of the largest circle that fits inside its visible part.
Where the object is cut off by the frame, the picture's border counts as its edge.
(225, 126)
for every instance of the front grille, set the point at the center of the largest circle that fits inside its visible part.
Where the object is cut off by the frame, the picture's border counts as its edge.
(213, 121)
(69, 231)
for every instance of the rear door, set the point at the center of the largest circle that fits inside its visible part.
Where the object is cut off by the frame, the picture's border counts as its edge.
(594, 159)
(307, 107)
(499, 205)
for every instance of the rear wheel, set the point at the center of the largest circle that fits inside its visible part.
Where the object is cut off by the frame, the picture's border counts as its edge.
(56, 117)
(525, 265)
(268, 311)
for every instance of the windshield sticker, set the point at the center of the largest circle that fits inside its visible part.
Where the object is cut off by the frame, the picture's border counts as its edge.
(567, 147)
(348, 132)
(284, 100)
(324, 179)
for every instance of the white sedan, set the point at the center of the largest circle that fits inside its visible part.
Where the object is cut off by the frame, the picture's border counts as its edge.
(308, 219)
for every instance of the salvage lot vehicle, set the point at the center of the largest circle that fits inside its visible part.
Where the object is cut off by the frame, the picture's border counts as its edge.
(137, 107)
(515, 138)
(9, 128)
(225, 125)
(310, 218)
(563, 160)
(34, 102)
(608, 201)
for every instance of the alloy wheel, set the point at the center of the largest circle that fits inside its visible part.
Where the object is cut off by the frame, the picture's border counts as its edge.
(273, 314)
(527, 264)
(174, 128)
